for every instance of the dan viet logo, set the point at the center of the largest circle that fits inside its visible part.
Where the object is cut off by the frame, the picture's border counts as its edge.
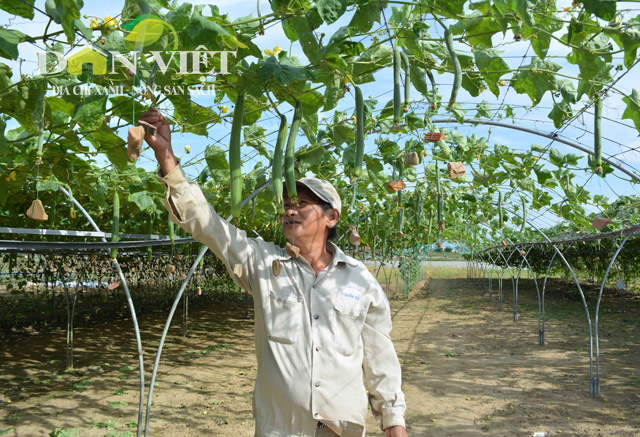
(143, 31)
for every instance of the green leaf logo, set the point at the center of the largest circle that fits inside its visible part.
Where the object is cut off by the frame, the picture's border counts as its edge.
(147, 29)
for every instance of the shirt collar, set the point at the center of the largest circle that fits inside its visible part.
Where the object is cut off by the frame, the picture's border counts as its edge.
(338, 256)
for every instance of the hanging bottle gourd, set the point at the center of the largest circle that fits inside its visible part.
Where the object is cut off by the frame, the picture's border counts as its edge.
(500, 212)
(359, 133)
(407, 81)
(397, 93)
(440, 200)
(115, 224)
(235, 160)
(597, 134)
(278, 158)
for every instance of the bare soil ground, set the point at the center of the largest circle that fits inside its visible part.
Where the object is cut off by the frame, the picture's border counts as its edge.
(468, 369)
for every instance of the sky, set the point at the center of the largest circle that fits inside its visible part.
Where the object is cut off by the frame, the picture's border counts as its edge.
(618, 135)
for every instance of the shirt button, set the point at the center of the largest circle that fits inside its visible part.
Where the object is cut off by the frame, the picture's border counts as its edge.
(318, 349)
(317, 316)
(317, 384)
(315, 414)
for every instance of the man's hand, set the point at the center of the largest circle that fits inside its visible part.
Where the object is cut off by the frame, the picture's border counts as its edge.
(396, 431)
(161, 141)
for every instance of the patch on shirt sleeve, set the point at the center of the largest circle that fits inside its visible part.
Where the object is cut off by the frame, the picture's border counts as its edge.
(349, 300)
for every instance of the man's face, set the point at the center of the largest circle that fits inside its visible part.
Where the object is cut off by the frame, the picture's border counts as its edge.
(307, 221)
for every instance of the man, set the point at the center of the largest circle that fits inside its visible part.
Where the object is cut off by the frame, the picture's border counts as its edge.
(322, 322)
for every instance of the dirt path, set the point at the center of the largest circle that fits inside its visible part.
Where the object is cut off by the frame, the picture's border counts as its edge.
(468, 369)
(471, 370)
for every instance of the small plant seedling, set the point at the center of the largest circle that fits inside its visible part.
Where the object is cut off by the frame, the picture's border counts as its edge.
(119, 392)
(118, 404)
(6, 431)
(12, 417)
(223, 346)
(181, 382)
(109, 425)
(61, 432)
(451, 354)
(82, 384)
(126, 368)
(132, 424)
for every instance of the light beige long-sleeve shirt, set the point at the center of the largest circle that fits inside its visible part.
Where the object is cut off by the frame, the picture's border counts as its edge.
(317, 337)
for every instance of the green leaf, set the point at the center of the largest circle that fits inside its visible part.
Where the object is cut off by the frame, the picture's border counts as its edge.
(605, 9)
(283, 70)
(200, 30)
(451, 8)
(311, 155)
(254, 137)
(632, 111)
(90, 112)
(18, 8)
(217, 162)
(568, 90)
(492, 67)
(375, 171)
(179, 18)
(525, 11)
(9, 40)
(627, 39)
(458, 112)
(105, 141)
(536, 79)
(560, 113)
(540, 34)
(193, 117)
(366, 15)
(481, 30)
(484, 109)
(307, 38)
(67, 11)
(371, 60)
(143, 201)
(331, 10)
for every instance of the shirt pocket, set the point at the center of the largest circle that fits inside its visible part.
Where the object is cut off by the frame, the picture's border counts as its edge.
(284, 321)
(349, 324)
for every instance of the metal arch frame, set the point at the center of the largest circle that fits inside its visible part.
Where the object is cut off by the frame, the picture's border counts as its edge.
(129, 303)
(551, 136)
(593, 329)
(541, 327)
(515, 302)
(595, 382)
(176, 301)
(540, 300)
(506, 263)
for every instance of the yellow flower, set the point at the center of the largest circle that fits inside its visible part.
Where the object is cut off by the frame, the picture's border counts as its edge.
(108, 21)
(225, 109)
(94, 24)
(276, 51)
(268, 52)
(12, 176)
(187, 148)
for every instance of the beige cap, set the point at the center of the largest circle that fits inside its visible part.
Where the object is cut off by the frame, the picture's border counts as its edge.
(324, 190)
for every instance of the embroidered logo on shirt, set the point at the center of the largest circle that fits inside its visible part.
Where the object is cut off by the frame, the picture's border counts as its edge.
(349, 300)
